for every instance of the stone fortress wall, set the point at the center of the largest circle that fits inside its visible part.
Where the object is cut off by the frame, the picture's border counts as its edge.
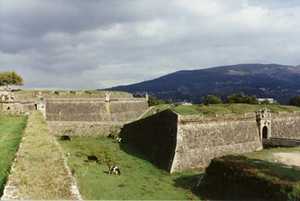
(77, 113)
(89, 109)
(286, 125)
(92, 116)
(155, 136)
(200, 139)
(171, 141)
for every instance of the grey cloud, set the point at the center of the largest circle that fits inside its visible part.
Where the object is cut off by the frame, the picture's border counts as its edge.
(101, 43)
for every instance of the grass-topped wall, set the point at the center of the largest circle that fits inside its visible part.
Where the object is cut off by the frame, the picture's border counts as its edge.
(246, 178)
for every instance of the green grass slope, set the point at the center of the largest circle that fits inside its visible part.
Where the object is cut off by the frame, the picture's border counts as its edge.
(252, 176)
(11, 128)
(139, 179)
(220, 109)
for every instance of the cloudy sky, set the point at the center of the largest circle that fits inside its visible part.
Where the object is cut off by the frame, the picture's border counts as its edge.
(103, 43)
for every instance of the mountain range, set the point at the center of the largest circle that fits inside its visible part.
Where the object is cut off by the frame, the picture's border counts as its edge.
(280, 82)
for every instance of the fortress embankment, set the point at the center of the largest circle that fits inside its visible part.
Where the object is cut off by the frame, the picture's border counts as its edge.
(182, 142)
(78, 113)
(92, 116)
(172, 141)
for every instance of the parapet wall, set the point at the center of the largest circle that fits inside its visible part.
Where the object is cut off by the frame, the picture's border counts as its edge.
(201, 139)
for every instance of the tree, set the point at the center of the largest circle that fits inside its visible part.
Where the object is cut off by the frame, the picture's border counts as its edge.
(241, 98)
(295, 101)
(10, 78)
(155, 101)
(211, 99)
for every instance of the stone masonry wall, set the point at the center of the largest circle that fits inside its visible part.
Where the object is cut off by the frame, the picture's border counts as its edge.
(94, 110)
(200, 140)
(76, 111)
(154, 136)
(75, 128)
(286, 125)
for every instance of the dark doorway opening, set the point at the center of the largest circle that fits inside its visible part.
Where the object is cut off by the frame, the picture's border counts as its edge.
(35, 106)
(265, 133)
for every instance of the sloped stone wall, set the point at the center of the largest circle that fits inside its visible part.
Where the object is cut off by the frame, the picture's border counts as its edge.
(83, 128)
(199, 141)
(286, 125)
(154, 136)
(125, 111)
(94, 110)
(76, 111)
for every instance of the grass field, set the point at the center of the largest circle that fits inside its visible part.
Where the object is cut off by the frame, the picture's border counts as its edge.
(31, 94)
(139, 179)
(11, 128)
(220, 109)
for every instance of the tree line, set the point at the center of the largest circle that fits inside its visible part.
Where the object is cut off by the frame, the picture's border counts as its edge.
(234, 98)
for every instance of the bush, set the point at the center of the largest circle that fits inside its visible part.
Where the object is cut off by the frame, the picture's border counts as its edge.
(211, 99)
(88, 92)
(155, 101)
(241, 98)
(240, 178)
(295, 101)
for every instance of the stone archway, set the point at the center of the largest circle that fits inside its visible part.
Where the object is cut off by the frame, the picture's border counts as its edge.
(264, 123)
(265, 132)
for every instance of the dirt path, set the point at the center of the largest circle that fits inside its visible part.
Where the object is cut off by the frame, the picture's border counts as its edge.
(39, 171)
(288, 158)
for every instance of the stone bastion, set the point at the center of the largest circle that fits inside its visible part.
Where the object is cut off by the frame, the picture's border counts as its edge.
(183, 142)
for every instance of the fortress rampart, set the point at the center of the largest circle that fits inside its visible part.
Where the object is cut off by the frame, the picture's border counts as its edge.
(286, 125)
(81, 114)
(92, 116)
(198, 139)
(119, 110)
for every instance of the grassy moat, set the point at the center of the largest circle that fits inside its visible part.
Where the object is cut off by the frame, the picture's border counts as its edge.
(238, 175)
(139, 179)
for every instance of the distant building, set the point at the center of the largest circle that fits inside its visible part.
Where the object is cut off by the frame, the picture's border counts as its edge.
(270, 100)
(184, 103)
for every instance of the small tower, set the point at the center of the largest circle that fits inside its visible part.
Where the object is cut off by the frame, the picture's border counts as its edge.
(263, 119)
(107, 96)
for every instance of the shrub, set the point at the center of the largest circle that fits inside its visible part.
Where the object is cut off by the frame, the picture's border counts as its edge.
(155, 101)
(241, 98)
(295, 101)
(87, 92)
(211, 99)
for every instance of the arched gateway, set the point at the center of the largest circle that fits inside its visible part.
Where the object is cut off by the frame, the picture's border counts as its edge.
(263, 118)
